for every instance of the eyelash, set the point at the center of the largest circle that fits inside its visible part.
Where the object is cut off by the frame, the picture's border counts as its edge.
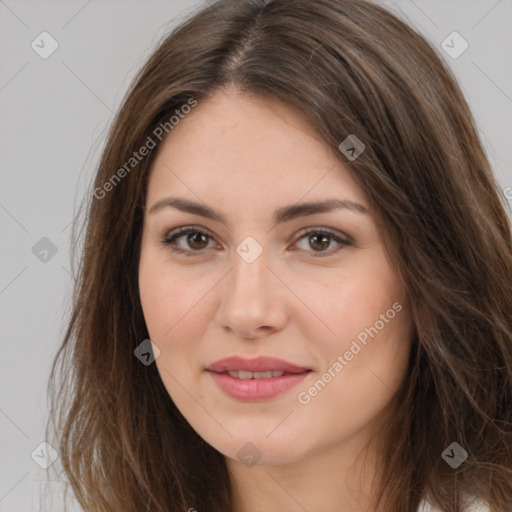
(171, 237)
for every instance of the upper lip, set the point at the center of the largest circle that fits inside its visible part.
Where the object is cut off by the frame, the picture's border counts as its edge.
(258, 364)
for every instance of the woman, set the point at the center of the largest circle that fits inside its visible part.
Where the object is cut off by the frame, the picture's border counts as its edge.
(296, 281)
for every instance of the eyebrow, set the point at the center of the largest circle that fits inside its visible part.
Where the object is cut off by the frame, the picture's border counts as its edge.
(284, 214)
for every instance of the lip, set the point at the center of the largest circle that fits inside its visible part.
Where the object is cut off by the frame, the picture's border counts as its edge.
(258, 364)
(253, 390)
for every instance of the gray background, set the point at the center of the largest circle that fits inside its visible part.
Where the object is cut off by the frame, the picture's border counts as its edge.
(54, 116)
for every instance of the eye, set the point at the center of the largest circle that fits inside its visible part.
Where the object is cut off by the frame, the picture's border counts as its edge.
(321, 239)
(193, 240)
(190, 240)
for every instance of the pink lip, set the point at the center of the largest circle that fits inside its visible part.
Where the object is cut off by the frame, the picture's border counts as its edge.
(259, 364)
(251, 390)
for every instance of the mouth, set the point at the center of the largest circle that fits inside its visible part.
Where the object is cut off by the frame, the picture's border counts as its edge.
(261, 366)
(257, 379)
(245, 375)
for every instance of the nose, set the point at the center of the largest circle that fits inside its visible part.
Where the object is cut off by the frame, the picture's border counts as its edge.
(253, 300)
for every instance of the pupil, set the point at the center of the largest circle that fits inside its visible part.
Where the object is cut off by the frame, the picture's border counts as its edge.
(324, 240)
(195, 238)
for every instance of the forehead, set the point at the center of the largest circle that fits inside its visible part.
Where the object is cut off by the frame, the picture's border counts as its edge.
(256, 149)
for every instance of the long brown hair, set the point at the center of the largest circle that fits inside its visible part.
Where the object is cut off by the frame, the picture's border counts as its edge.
(349, 67)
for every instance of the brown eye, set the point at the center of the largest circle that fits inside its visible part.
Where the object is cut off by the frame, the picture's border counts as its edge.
(320, 240)
(196, 240)
(187, 241)
(193, 242)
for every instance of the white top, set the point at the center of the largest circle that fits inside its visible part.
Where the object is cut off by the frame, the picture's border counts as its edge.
(474, 506)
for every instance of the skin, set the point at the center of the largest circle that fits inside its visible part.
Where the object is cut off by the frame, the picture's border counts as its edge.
(245, 158)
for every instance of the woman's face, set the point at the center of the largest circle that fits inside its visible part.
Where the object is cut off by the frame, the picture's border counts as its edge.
(301, 299)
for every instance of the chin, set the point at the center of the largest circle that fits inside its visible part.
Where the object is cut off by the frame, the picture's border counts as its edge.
(255, 446)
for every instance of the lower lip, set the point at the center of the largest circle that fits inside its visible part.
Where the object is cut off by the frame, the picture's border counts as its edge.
(251, 390)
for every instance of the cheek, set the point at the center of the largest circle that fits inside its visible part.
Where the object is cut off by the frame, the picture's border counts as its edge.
(177, 308)
(172, 312)
(368, 311)
(170, 299)
(159, 301)
(353, 303)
